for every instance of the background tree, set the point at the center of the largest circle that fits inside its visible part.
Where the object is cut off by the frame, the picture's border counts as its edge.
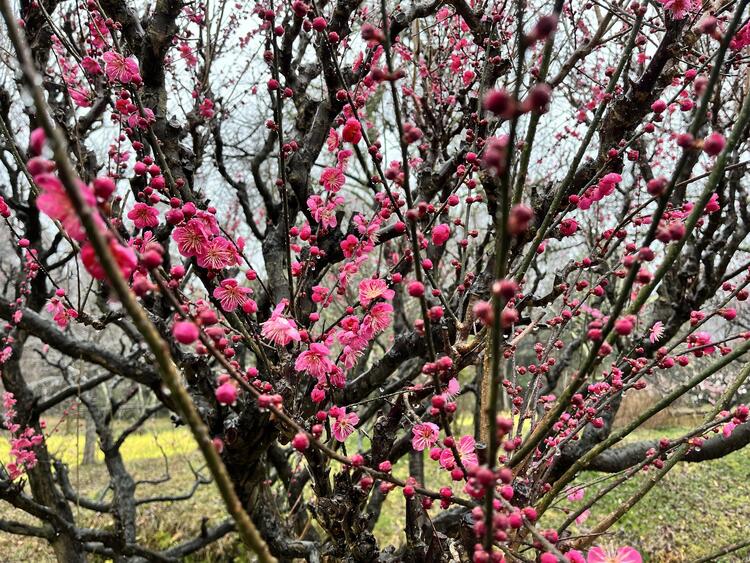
(298, 225)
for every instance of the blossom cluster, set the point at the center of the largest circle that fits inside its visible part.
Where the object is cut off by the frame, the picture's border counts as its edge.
(22, 441)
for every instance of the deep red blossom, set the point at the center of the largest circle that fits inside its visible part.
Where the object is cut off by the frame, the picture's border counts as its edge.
(144, 216)
(124, 257)
(185, 332)
(352, 131)
(55, 203)
(440, 234)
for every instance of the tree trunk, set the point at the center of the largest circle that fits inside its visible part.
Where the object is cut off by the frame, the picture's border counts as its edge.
(67, 549)
(90, 445)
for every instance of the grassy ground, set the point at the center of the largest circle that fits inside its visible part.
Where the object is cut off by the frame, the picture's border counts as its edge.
(697, 509)
(161, 453)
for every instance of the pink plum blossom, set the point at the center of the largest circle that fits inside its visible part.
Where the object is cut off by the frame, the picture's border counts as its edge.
(656, 332)
(583, 516)
(315, 361)
(124, 257)
(453, 389)
(379, 317)
(623, 555)
(279, 329)
(576, 494)
(218, 254)
(728, 429)
(120, 69)
(371, 289)
(344, 425)
(91, 66)
(55, 203)
(231, 295)
(680, 8)
(332, 179)
(60, 313)
(425, 434)
(465, 449)
(192, 238)
(324, 212)
(144, 216)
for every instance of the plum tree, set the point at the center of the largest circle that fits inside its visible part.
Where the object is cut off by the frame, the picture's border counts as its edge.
(374, 248)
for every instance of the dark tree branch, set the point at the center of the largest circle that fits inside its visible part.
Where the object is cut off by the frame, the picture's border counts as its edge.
(618, 459)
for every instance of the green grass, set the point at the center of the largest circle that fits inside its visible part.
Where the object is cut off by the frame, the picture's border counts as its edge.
(694, 511)
(697, 509)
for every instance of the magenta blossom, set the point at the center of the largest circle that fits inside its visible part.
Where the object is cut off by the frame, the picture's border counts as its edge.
(623, 555)
(702, 341)
(465, 448)
(332, 143)
(185, 332)
(81, 97)
(60, 313)
(742, 39)
(218, 254)
(138, 121)
(91, 66)
(320, 294)
(332, 179)
(121, 69)
(315, 361)
(144, 216)
(425, 435)
(54, 202)
(352, 131)
(324, 212)
(680, 8)
(568, 227)
(575, 556)
(278, 329)
(226, 394)
(379, 318)
(124, 256)
(231, 294)
(344, 425)
(371, 289)
(192, 238)
(440, 234)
